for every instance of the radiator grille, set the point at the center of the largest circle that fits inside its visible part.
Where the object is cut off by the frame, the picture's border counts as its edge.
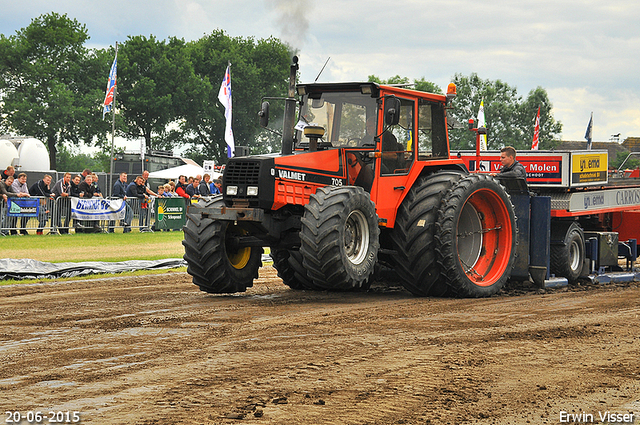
(242, 172)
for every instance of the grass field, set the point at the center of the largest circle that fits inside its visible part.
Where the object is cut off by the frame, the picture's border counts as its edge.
(110, 247)
(94, 247)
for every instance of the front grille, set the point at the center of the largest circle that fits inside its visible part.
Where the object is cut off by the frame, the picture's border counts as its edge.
(241, 172)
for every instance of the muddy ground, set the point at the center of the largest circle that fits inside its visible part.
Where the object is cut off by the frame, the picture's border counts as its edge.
(155, 350)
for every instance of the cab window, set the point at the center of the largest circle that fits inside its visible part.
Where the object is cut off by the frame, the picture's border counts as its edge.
(397, 142)
(432, 138)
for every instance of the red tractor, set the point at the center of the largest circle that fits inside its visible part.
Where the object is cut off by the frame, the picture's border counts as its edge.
(364, 181)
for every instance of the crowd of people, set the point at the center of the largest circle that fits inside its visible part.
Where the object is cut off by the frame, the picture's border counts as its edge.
(86, 185)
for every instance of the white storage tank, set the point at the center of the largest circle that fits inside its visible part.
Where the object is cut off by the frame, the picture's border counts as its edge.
(33, 156)
(8, 154)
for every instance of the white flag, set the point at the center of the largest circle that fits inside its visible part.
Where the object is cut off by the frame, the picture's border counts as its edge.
(224, 96)
(482, 123)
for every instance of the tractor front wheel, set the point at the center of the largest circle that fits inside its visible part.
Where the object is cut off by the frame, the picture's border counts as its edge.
(215, 259)
(340, 238)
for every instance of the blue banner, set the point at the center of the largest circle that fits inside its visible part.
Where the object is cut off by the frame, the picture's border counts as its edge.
(23, 207)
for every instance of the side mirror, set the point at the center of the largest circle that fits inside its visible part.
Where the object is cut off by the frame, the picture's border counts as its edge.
(264, 114)
(392, 110)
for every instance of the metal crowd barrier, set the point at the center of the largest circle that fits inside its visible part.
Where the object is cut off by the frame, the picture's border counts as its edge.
(55, 217)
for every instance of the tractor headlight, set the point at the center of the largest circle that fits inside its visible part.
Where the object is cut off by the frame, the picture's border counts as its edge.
(252, 191)
(232, 190)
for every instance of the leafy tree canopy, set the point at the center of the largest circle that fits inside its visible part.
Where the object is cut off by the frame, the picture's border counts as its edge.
(48, 83)
(52, 88)
(420, 85)
(258, 68)
(509, 118)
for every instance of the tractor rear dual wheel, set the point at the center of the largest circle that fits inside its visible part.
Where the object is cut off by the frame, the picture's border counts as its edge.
(476, 237)
(413, 235)
(214, 260)
(455, 234)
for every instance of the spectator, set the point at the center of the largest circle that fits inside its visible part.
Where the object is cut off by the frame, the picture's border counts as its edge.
(62, 191)
(87, 191)
(4, 195)
(74, 190)
(161, 191)
(217, 187)
(7, 192)
(85, 173)
(193, 189)
(41, 188)
(172, 184)
(145, 177)
(204, 185)
(86, 188)
(120, 191)
(75, 193)
(95, 182)
(19, 185)
(181, 187)
(137, 190)
(10, 171)
(167, 191)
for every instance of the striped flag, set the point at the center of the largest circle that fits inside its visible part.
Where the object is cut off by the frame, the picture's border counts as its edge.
(536, 132)
(224, 96)
(111, 87)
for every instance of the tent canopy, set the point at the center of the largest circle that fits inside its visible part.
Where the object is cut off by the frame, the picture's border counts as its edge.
(188, 170)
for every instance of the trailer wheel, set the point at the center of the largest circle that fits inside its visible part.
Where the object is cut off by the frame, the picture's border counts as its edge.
(476, 237)
(413, 235)
(288, 263)
(340, 238)
(567, 258)
(214, 261)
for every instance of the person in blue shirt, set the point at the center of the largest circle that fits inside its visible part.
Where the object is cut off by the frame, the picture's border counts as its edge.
(120, 191)
(216, 187)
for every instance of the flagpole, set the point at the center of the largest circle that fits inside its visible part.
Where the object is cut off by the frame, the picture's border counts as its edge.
(113, 131)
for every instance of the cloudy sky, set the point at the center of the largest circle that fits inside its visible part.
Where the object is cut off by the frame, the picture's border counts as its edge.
(585, 53)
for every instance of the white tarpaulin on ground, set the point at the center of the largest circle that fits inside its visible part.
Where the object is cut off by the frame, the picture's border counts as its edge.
(24, 268)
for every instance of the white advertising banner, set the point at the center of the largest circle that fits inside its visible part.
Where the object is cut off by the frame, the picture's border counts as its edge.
(97, 209)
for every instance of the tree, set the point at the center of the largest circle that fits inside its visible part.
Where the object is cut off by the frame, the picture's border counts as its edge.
(258, 68)
(420, 85)
(155, 82)
(49, 83)
(509, 118)
(70, 159)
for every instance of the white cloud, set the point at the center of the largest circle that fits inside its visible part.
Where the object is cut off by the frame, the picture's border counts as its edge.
(586, 53)
(617, 113)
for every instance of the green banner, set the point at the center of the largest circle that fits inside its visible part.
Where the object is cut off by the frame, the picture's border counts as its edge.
(171, 213)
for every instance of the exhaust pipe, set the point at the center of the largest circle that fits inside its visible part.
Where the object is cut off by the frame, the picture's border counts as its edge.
(290, 110)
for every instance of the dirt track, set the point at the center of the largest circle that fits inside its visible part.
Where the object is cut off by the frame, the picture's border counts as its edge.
(155, 350)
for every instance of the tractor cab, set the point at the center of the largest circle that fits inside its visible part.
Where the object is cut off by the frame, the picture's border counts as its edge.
(383, 131)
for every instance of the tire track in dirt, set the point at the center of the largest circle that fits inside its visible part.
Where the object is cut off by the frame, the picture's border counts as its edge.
(154, 349)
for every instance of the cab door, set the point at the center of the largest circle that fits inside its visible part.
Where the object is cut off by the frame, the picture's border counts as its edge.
(397, 155)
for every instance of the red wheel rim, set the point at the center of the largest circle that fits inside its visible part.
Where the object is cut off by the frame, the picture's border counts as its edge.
(484, 237)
